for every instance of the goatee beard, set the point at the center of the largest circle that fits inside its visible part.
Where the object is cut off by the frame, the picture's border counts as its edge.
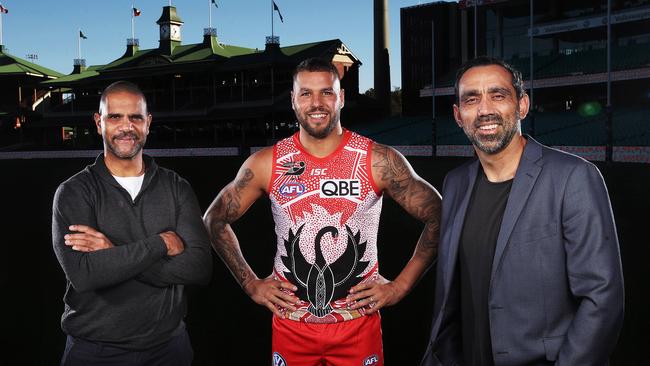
(501, 140)
(139, 143)
(331, 124)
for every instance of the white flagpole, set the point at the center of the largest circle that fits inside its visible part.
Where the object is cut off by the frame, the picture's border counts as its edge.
(1, 28)
(132, 22)
(170, 2)
(272, 16)
(210, 12)
(79, 44)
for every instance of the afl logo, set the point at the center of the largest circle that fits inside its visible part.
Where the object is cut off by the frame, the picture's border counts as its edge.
(372, 360)
(340, 188)
(292, 189)
(278, 360)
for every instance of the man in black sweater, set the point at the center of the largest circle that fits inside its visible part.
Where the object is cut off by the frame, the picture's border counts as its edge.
(128, 235)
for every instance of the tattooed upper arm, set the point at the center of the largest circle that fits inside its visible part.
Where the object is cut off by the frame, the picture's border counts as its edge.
(229, 200)
(392, 173)
(231, 203)
(236, 197)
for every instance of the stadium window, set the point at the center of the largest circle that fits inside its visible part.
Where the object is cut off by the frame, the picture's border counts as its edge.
(67, 133)
(67, 97)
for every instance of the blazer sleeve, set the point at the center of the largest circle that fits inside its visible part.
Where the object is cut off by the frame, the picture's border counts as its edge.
(194, 264)
(445, 344)
(594, 269)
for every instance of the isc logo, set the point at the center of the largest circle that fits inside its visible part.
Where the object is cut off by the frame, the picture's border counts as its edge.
(330, 188)
(292, 189)
(318, 171)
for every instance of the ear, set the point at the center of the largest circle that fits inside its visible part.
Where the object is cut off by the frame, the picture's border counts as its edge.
(342, 97)
(98, 122)
(293, 105)
(457, 116)
(524, 106)
(149, 119)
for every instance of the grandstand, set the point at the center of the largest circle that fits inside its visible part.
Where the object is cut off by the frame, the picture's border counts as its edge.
(569, 74)
(202, 95)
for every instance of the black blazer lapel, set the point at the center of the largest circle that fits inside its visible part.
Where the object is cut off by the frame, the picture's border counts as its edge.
(448, 261)
(459, 219)
(524, 181)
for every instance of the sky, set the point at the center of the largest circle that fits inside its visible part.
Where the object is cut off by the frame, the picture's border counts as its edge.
(50, 29)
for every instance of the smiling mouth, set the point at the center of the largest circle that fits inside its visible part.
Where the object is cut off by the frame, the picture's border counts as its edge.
(125, 141)
(489, 127)
(317, 115)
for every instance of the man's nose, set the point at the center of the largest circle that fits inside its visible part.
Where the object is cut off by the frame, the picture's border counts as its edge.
(126, 124)
(485, 107)
(316, 100)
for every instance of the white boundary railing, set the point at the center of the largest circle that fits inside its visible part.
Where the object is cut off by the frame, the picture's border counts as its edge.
(624, 154)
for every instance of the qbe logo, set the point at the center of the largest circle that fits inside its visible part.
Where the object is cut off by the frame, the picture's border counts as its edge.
(278, 360)
(292, 189)
(371, 360)
(331, 188)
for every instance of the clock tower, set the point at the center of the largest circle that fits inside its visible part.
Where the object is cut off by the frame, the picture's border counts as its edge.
(170, 29)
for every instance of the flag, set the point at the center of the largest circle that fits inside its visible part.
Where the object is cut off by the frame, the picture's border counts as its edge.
(3, 9)
(215, 3)
(275, 7)
(81, 34)
(136, 12)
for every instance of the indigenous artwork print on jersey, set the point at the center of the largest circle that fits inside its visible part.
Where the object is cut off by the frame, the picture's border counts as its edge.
(326, 213)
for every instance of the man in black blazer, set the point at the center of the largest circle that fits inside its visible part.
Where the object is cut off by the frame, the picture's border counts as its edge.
(529, 270)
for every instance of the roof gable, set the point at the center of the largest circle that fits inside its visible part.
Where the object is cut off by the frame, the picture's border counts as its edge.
(12, 65)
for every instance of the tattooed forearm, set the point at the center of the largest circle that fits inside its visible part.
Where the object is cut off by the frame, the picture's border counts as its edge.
(225, 209)
(427, 246)
(227, 247)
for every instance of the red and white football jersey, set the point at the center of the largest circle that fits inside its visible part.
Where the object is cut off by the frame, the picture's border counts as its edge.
(326, 213)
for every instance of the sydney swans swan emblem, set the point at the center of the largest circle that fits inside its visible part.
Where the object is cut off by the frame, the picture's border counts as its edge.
(321, 282)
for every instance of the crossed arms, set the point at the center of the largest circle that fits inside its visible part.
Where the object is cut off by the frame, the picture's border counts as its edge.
(91, 260)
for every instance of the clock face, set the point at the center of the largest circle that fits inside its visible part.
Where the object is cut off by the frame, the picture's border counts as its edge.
(164, 31)
(175, 32)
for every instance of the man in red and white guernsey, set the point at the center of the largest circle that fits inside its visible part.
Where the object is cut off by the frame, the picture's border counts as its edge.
(326, 185)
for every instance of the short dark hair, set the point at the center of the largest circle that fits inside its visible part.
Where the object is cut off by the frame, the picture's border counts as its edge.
(316, 64)
(517, 81)
(122, 86)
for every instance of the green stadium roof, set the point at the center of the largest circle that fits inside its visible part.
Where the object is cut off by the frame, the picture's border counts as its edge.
(89, 72)
(210, 50)
(290, 54)
(180, 54)
(12, 65)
